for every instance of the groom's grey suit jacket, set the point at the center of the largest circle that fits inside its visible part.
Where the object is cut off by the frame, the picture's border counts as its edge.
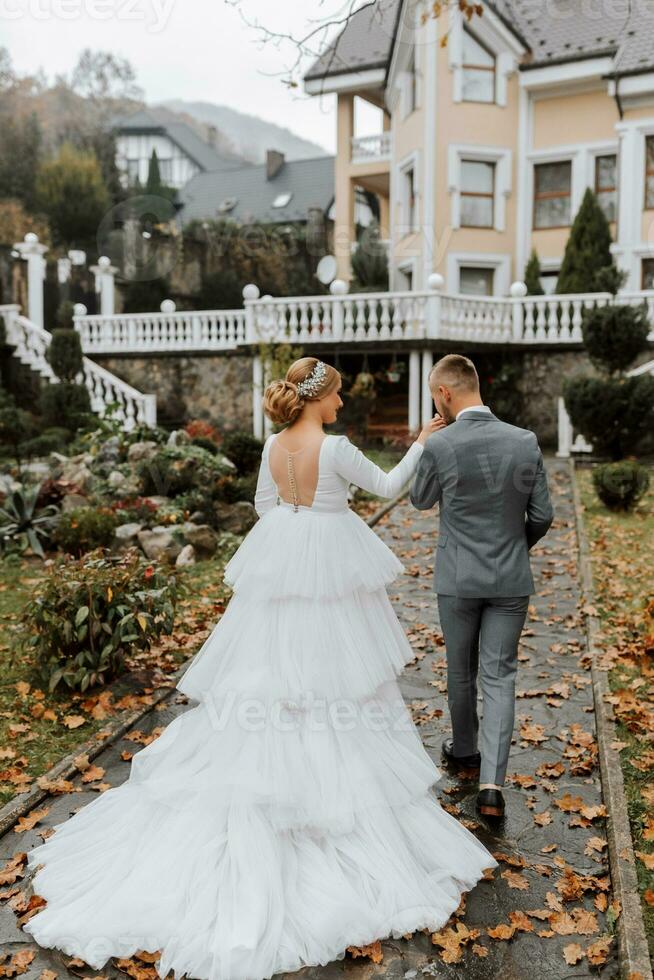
(490, 481)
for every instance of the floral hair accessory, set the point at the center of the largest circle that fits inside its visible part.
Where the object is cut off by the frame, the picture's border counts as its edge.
(314, 381)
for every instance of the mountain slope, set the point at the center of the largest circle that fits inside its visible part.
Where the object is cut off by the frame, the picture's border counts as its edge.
(250, 136)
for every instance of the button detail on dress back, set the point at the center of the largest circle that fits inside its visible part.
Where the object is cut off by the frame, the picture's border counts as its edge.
(291, 481)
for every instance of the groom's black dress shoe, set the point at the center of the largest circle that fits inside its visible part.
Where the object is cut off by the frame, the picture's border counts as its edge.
(490, 803)
(469, 763)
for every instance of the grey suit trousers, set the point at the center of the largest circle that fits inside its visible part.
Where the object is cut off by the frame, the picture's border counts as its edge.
(481, 639)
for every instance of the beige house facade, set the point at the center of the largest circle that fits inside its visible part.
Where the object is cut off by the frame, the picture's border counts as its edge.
(493, 127)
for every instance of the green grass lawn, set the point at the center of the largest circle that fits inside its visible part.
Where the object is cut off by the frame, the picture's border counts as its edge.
(38, 728)
(622, 548)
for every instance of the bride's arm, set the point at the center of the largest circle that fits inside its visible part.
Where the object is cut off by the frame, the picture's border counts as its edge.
(351, 463)
(265, 495)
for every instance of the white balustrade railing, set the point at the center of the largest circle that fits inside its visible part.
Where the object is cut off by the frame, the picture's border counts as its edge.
(342, 317)
(366, 149)
(475, 318)
(106, 391)
(360, 317)
(161, 332)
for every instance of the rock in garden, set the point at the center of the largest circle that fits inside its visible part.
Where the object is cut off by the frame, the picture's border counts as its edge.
(140, 451)
(7, 483)
(117, 480)
(186, 556)
(77, 473)
(126, 536)
(178, 438)
(109, 451)
(237, 518)
(36, 471)
(203, 538)
(74, 500)
(159, 542)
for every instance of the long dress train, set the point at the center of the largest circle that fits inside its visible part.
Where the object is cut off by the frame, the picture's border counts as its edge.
(291, 812)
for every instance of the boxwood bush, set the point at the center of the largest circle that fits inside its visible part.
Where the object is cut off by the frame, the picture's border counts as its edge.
(620, 485)
(85, 529)
(91, 613)
(178, 469)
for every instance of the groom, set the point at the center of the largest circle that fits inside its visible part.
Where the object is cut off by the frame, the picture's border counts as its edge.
(489, 479)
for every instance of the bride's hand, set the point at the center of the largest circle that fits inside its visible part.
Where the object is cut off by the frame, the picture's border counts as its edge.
(434, 424)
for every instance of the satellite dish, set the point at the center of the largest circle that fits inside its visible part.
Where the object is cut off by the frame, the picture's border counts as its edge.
(327, 269)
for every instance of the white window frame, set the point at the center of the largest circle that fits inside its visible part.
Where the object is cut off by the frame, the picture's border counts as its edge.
(404, 266)
(499, 262)
(490, 31)
(582, 157)
(501, 157)
(410, 162)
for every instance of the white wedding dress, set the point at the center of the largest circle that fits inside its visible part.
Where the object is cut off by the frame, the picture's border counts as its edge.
(290, 814)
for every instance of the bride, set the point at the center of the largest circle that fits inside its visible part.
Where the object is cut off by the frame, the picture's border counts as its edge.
(290, 813)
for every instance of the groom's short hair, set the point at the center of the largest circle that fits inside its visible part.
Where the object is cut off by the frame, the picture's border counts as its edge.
(455, 371)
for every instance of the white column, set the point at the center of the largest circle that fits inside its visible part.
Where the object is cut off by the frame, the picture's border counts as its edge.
(257, 394)
(33, 253)
(565, 431)
(631, 190)
(427, 400)
(104, 273)
(338, 288)
(428, 169)
(250, 294)
(414, 390)
(518, 292)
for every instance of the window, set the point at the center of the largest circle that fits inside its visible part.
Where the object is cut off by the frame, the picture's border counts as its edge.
(282, 200)
(548, 281)
(478, 71)
(410, 210)
(647, 274)
(132, 171)
(166, 170)
(477, 194)
(606, 184)
(552, 194)
(649, 172)
(228, 204)
(475, 281)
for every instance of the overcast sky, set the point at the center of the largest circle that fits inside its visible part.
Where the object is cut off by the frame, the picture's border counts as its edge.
(188, 49)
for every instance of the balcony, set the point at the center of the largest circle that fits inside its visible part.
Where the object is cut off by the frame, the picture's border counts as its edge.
(371, 149)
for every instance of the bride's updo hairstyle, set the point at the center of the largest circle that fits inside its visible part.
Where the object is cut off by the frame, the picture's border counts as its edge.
(283, 403)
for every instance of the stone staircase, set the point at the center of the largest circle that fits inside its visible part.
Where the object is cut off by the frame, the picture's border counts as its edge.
(30, 343)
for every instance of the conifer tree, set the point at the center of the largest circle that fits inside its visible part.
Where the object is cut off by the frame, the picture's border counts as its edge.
(588, 249)
(532, 275)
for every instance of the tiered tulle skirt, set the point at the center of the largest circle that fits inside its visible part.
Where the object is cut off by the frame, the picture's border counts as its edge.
(290, 814)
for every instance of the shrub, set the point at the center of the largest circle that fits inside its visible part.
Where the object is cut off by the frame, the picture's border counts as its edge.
(200, 428)
(620, 485)
(65, 314)
(370, 261)
(52, 440)
(66, 405)
(24, 524)
(243, 450)
(615, 335)
(612, 413)
(240, 488)
(135, 510)
(85, 529)
(16, 425)
(65, 354)
(93, 612)
(204, 443)
(178, 469)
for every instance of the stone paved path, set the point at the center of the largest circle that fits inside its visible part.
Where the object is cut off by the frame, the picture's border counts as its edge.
(552, 857)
